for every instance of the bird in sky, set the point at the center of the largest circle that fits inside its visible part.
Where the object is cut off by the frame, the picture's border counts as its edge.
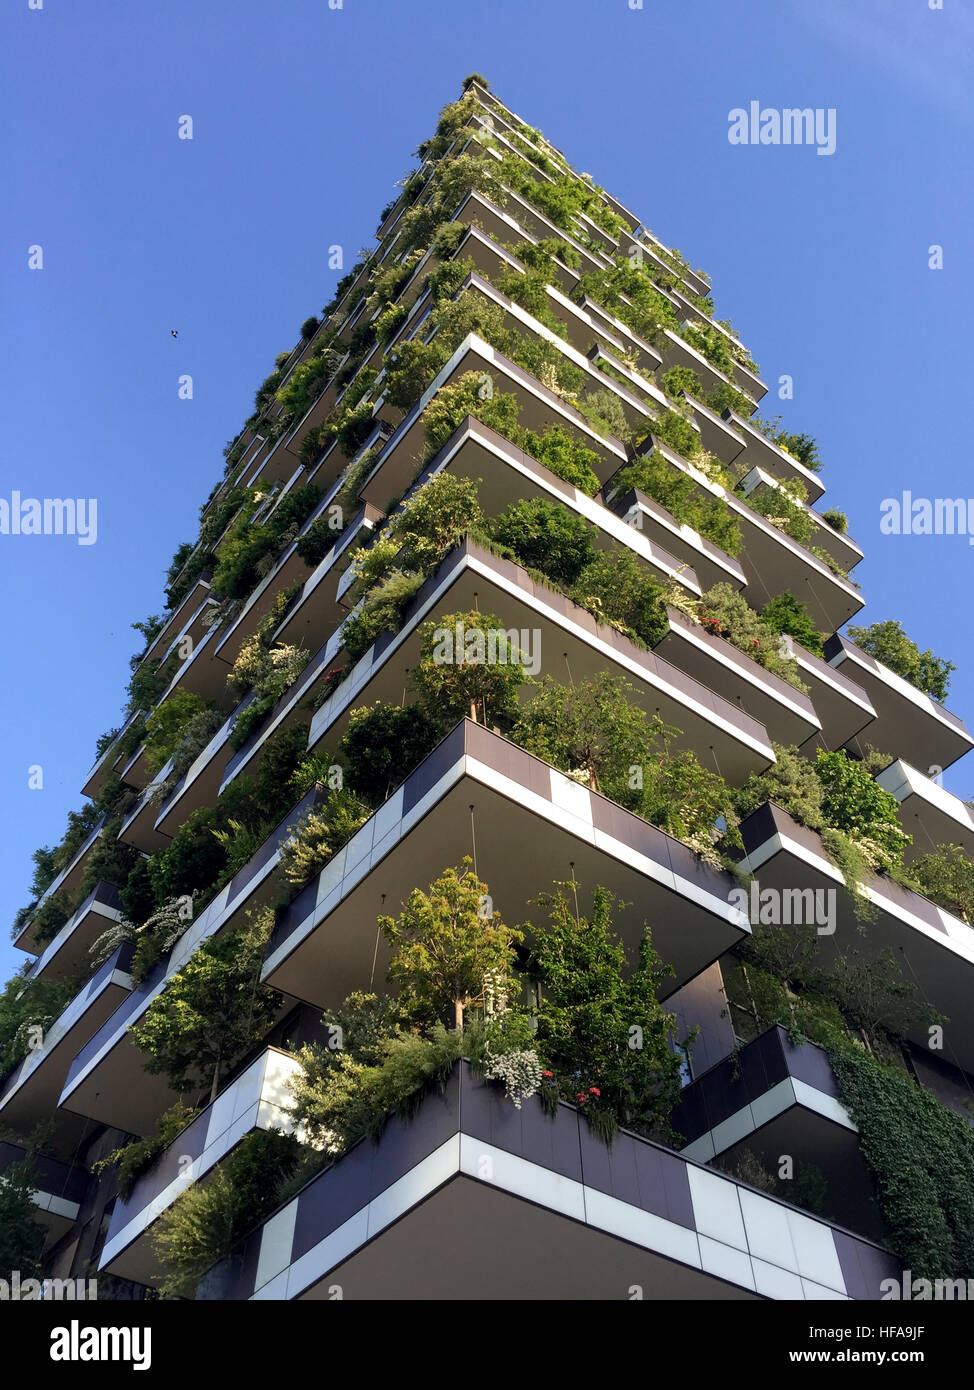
(173, 333)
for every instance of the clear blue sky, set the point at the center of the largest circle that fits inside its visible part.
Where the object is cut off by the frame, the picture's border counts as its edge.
(304, 118)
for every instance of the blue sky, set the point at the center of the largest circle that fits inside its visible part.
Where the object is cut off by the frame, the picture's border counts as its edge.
(304, 117)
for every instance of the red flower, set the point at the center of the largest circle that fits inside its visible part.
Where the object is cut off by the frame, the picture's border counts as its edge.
(594, 1091)
(547, 1073)
(581, 1097)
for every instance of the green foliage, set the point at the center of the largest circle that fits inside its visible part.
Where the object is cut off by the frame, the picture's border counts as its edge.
(590, 1002)
(562, 452)
(801, 446)
(320, 834)
(467, 667)
(450, 406)
(381, 610)
(164, 727)
(856, 804)
(786, 613)
(546, 536)
(675, 490)
(888, 643)
(211, 1011)
(690, 802)
(783, 511)
(21, 1234)
(790, 783)
(207, 1220)
(593, 731)
(946, 877)
(837, 520)
(922, 1158)
(27, 1005)
(680, 379)
(726, 613)
(133, 1159)
(618, 590)
(382, 745)
(605, 412)
(445, 943)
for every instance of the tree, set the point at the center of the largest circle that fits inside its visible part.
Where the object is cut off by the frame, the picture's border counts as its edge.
(946, 877)
(617, 589)
(592, 728)
(546, 536)
(600, 1027)
(447, 942)
(888, 643)
(467, 665)
(21, 1234)
(211, 1011)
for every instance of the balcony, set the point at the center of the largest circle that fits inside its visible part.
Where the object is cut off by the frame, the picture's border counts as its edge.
(905, 716)
(404, 455)
(68, 882)
(551, 1212)
(711, 565)
(761, 452)
(788, 715)
(256, 1099)
(505, 474)
(770, 559)
(62, 1187)
(69, 951)
(30, 1092)
(930, 813)
(569, 644)
(106, 1081)
(843, 707)
(478, 791)
(934, 948)
(841, 547)
(776, 1097)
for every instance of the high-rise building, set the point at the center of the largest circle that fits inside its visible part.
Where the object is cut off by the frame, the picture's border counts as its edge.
(508, 882)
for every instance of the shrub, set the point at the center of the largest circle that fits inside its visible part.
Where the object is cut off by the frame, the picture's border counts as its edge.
(546, 536)
(381, 611)
(857, 805)
(619, 591)
(319, 835)
(837, 520)
(675, 490)
(208, 1219)
(382, 745)
(212, 1011)
(131, 1160)
(888, 643)
(450, 406)
(593, 731)
(786, 613)
(726, 613)
(164, 727)
(567, 458)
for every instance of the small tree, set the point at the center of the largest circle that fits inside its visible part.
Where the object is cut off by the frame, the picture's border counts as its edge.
(212, 1010)
(593, 729)
(857, 805)
(600, 1027)
(467, 666)
(447, 943)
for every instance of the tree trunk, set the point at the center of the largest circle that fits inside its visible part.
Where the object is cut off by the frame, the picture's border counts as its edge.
(458, 1015)
(473, 710)
(216, 1082)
